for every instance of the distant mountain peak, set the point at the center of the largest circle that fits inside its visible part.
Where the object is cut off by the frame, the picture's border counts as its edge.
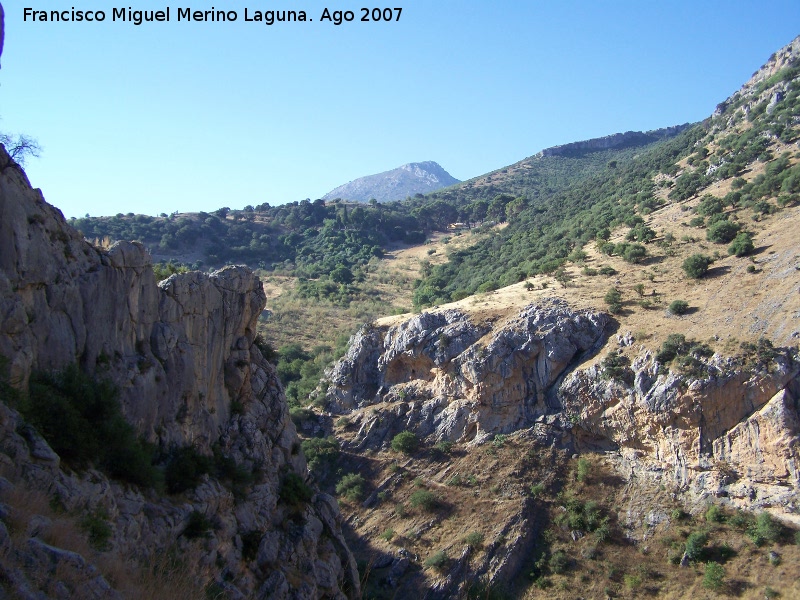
(406, 180)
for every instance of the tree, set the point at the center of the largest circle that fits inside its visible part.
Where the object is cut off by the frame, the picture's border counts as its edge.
(742, 244)
(613, 298)
(713, 577)
(678, 307)
(696, 265)
(341, 274)
(562, 276)
(19, 148)
(406, 442)
(722, 231)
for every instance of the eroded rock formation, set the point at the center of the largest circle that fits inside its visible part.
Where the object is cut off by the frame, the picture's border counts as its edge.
(441, 375)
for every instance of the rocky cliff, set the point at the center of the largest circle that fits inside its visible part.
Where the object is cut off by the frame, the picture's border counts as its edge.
(617, 141)
(397, 184)
(182, 354)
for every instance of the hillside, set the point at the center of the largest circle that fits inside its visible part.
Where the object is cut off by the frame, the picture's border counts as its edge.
(597, 457)
(400, 183)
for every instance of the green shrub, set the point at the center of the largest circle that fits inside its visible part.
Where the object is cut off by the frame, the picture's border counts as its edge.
(613, 298)
(437, 560)
(424, 499)
(293, 491)
(696, 265)
(714, 514)
(197, 526)
(321, 453)
(713, 576)
(695, 545)
(537, 489)
(82, 421)
(351, 486)
(583, 470)
(406, 442)
(616, 366)
(633, 581)
(764, 530)
(185, 467)
(97, 528)
(558, 562)
(722, 231)
(474, 539)
(445, 447)
(742, 245)
(678, 307)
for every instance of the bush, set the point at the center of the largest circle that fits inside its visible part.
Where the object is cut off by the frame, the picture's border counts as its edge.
(320, 453)
(695, 545)
(713, 577)
(351, 486)
(82, 421)
(678, 307)
(722, 231)
(696, 265)
(558, 562)
(294, 491)
(714, 514)
(474, 539)
(613, 298)
(742, 244)
(97, 528)
(405, 442)
(616, 366)
(537, 489)
(184, 469)
(583, 470)
(437, 560)
(424, 499)
(764, 530)
(197, 526)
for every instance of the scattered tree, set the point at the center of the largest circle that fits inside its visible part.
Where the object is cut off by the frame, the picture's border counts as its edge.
(696, 265)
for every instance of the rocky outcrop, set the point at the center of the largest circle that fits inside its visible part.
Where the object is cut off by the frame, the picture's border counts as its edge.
(441, 375)
(182, 354)
(617, 141)
(733, 433)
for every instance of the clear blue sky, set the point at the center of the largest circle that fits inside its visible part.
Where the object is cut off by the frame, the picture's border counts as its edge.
(193, 116)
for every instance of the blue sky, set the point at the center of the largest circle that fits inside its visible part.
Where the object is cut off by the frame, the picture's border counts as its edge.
(193, 116)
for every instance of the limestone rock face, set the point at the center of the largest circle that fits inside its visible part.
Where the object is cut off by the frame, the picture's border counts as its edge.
(182, 354)
(732, 434)
(441, 375)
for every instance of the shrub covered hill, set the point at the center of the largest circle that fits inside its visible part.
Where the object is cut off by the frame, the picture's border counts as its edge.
(598, 387)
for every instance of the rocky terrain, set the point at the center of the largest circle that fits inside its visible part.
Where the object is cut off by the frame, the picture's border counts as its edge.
(397, 184)
(629, 139)
(182, 354)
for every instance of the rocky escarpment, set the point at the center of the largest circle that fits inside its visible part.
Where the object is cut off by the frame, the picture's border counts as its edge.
(441, 375)
(617, 141)
(182, 354)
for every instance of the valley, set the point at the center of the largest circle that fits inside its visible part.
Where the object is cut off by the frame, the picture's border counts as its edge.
(576, 376)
